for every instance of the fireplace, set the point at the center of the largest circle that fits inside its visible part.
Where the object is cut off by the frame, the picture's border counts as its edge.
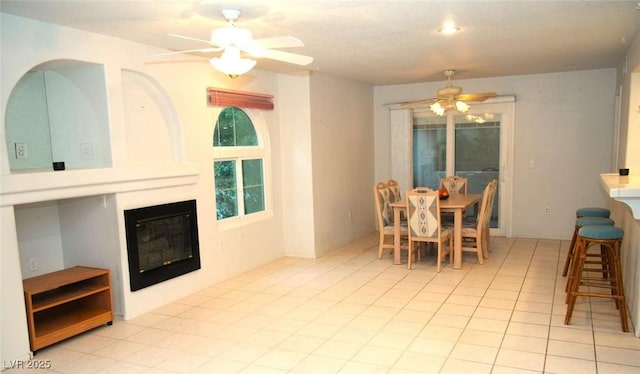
(162, 242)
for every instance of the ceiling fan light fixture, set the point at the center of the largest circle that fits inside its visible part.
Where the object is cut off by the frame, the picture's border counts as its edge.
(437, 108)
(480, 118)
(231, 64)
(462, 107)
(233, 40)
(450, 98)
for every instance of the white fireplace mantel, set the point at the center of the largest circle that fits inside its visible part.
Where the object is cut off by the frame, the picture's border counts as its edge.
(625, 189)
(26, 188)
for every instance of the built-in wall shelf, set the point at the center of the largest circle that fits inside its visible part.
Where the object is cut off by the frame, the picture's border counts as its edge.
(54, 185)
(625, 189)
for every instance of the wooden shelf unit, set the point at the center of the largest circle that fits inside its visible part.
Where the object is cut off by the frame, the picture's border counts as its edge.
(66, 303)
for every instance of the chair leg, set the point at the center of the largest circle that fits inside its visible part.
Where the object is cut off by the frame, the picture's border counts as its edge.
(570, 305)
(451, 250)
(614, 274)
(488, 235)
(479, 248)
(569, 263)
(619, 286)
(574, 270)
(485, 241)
(570, 253)
(410, 254)
(439, 256)
(381, 245)
(573, 283)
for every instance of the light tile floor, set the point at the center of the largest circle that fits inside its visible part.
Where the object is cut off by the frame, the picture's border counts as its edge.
(349, 312)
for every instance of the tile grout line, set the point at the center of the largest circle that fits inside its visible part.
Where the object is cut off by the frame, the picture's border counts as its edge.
(553, 300)
(504, 334)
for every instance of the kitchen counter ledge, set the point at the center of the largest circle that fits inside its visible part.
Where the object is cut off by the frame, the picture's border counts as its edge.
(625, 189)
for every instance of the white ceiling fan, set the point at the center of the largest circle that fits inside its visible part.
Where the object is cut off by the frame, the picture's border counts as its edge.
(232, 41)
(450, 97)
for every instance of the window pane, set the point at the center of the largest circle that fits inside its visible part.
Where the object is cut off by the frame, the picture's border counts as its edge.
(234, 128)
(477, 156)
(226, 189)
(477, 145)
(224, 133)
(253, 186)
(429, 151)
(245, 133)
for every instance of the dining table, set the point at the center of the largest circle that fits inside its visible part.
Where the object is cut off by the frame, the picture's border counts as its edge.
(456, 204)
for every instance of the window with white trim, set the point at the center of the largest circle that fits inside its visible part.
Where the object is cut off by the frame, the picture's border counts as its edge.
(238, 165)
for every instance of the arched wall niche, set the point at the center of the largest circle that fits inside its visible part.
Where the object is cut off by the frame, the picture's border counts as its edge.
(153, 128)
(58, 112)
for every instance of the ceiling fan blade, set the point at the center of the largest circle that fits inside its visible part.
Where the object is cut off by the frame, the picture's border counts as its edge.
(190, 38)
(201, 50)
(278, 42)
(481, 96)
(289, 57)
(417, 103)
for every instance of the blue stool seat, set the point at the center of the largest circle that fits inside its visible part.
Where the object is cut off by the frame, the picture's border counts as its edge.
(594, 221)
(601, 232)
(593, 212)
(580, 222)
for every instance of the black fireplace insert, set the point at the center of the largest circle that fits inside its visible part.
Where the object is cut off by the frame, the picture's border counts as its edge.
(162, 242)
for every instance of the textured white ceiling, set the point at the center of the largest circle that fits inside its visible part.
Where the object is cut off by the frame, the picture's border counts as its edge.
(379, 42)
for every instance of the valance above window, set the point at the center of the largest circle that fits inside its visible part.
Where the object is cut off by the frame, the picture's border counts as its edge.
(242, 99)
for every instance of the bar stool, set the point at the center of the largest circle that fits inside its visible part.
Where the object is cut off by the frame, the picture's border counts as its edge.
(610, 239)
(583, 221)
(593, 212)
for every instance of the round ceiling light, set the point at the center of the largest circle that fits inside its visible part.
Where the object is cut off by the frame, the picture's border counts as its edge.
(449, 29)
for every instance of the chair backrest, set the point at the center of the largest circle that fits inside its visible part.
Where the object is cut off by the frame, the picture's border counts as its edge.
(454, 184)
(486, 205)
(423, 214)
(382, 197)
(394, 188)
(422, 189)
(493, 185)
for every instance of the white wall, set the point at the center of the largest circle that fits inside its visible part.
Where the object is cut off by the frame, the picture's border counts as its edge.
(563, 122)
(143, 111)
(89, 234)
(39, 236)
(183, 125)
(14, 337)
(342, 149)
(297, 177)
(629, 81)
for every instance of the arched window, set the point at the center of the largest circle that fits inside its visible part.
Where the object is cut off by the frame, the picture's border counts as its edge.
(238, 165)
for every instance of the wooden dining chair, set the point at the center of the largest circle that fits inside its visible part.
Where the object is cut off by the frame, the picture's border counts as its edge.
(425, 225)
(384, 214)
(454, 184)
(396, 195)
(394, 189)
(475, 237)
(487, 222)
